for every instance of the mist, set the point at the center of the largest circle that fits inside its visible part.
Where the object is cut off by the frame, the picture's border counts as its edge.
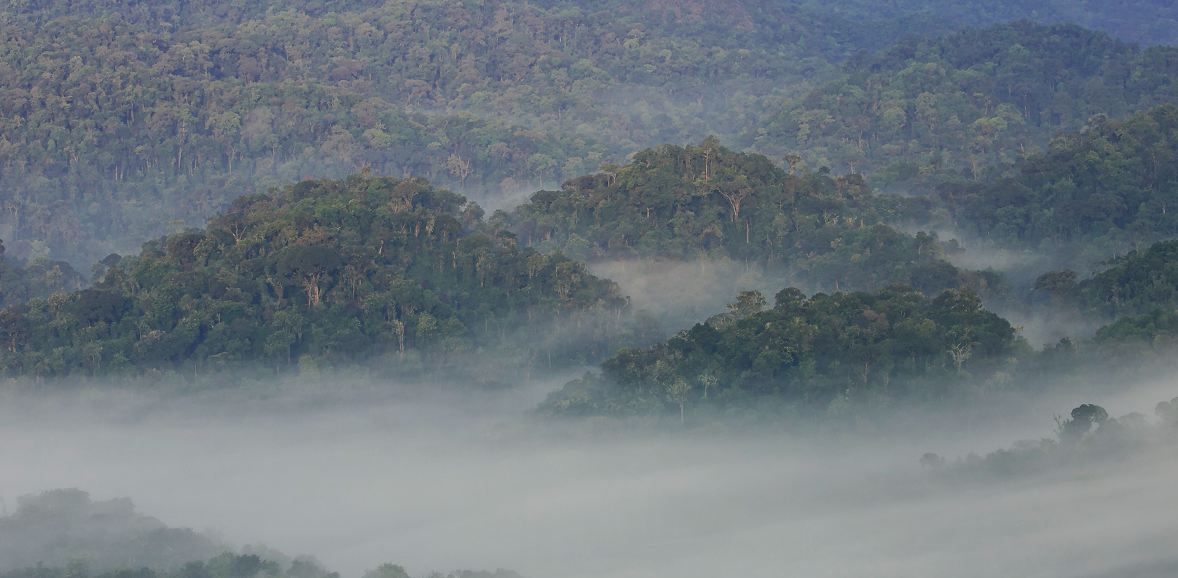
(437, 477)
(679, 294)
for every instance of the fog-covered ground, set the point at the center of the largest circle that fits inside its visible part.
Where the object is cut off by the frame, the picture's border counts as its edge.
(433, 477)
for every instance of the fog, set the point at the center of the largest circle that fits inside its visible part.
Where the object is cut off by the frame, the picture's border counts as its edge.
(435, 478)
(679, 294)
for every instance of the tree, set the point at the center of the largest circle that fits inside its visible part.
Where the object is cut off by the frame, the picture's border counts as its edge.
(747, 304)
(1082, 420)
(679, 391)
(312, 266)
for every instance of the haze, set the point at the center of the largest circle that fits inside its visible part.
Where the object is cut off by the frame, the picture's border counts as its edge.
(437, 479)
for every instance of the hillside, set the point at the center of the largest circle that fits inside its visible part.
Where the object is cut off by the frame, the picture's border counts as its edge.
(823, 352)
(126, 120)
(707, 201)
(951, 107)
(60, 527)
(1109, 186)
(321, 272)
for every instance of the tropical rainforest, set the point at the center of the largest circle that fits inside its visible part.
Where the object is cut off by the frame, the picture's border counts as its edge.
(431, 280)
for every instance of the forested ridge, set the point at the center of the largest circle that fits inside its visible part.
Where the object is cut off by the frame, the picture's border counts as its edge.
(125, 120)
(707, 201)
(823, 352)
(1108, 187)
(318, 272)
(116, 114)
(951, 107)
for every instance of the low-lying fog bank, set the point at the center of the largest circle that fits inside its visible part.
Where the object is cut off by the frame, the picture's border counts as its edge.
(375, 473)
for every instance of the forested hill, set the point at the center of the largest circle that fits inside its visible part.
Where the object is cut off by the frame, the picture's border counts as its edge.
(322, 272)
(1140, 21)
(708, 201)
(956, 105)
(824, 352)
(1109, 187)
(123, 120)
(121, 117)
(1141, 282)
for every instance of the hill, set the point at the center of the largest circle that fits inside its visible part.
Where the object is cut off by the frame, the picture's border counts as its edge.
(823, 352)
(1109, 186)
(122, 117)
(708, 201)
(319, 272)
(60, 527)
(951, 107)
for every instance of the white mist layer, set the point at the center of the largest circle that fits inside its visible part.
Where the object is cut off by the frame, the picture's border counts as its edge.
(455, 480)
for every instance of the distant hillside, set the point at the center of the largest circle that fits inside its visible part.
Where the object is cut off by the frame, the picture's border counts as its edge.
(708, 201)
(60, 527)
(126, 120)
(123, 120)
(1111, 186)
(953, 106)
(321, 272)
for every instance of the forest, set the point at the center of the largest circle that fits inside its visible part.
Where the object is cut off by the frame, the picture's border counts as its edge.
(825, 351)
(316, 273)
(953, 107)
(707, 201)
(656, 288)
(115, 114)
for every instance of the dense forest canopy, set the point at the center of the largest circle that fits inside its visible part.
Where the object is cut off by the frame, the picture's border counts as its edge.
(824, 352)
(41, 277)
(322, 271)
(1110, 186)
(1138, 292)
(707, 201)
(115, 114)
(951, 107)
(125, 120)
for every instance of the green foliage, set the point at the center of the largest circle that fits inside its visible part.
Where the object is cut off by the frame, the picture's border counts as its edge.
(322, 271)
(820, 352)
(950, 107)
(123, 120)
(1113, 184)
(120, 117)
(1141, 288)
(38, 278)
(708, 201)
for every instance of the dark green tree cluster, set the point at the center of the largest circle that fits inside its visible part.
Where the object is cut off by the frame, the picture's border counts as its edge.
(1113, 184)
(821, 352)
(708, 201)
(953, 106)
(1137, 283)
(1141, 21)
(322, 271)
(40, 277)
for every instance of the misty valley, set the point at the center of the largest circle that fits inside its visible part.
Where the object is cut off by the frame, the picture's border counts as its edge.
(570, 289)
